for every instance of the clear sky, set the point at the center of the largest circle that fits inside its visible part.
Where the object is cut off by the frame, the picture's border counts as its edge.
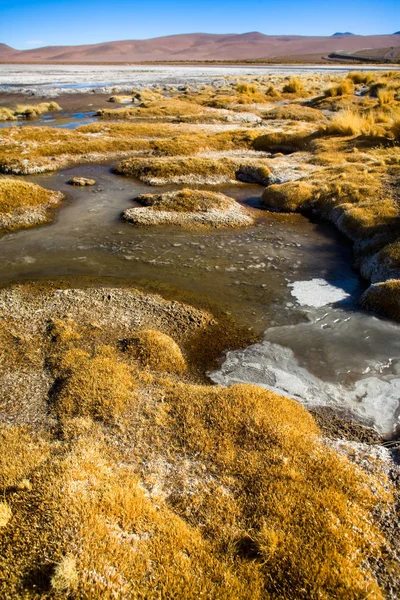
(32, 23)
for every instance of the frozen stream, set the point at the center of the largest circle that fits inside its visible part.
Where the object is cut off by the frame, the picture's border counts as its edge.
(288, 279)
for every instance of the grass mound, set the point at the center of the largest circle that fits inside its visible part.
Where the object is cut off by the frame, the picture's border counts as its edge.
(98, 386)
(156, 351)
(197, 169)
(28, 111)
(290, 196)
(24, 204)
(295, 112)
(186, 201)
(383, 298)
(188, 208)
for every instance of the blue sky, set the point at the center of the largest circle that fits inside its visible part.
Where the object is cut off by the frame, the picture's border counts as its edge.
(32, 23)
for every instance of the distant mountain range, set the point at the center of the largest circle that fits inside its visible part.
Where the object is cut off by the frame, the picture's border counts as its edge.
(206, 47)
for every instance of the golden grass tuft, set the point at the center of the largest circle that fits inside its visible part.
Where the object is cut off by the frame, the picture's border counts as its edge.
(283, 491)
(349, 122)
(290, 196)
(99, 386)
(358, 77)
(20, 455)
(295, 112)
(31, 111)
(294, 86)
(65, 578)
(344, 88)
(155, 351)
(16, 195)
(5, 514)
(186, 200)
(6, 114)
(385, 97)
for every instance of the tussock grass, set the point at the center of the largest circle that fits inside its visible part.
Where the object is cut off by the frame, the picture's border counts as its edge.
(349, 122)
(156, 351)
(186, 200)
(98, 386)
(295, 112)
(290, 196)
(24, 204)
(66, 577)
(358, 77)
(157, 171)
(28, 111)
(294, 86)
(344, 88)
(5, 514)
(20, 454)
(6, 114)
(385, 97)
(31, 111)
(120, 99)
(16, 195)
(187, 491)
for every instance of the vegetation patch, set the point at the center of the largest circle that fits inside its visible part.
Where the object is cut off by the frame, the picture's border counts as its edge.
(194, 170)
(383, 298)
(24, 204)
(188, 208)
(295, 112)
(28, 111)
(156, 351)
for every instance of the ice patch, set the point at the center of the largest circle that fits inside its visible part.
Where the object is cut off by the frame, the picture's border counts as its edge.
(317, 293)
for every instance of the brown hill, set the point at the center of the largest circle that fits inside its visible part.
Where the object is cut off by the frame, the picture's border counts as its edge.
(200, 47)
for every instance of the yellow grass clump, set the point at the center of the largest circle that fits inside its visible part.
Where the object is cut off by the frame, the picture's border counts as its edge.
(120, 99)
(16, 195)
(99, 386)
(294, 86)
(20, 455)
(5, 514)
(159, 171)
(349, 122)
(65, 578)
(186, 200)
(344, 88)
(295, 112)
(290, 196)
(358, 77)
(156, 351)
(6, 114)
(30, 111)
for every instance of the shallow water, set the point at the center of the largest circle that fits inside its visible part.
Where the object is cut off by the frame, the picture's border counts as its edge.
(286, 278)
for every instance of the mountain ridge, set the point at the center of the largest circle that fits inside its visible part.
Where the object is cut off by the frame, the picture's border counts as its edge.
(252, 45)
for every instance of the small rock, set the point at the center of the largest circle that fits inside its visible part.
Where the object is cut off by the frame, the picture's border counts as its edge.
(82, 181)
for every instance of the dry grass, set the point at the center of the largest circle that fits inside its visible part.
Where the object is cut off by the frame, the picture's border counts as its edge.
(31, 111)
(28, 111)
(289, 197)
(120, 99)
(24, 204)
(158, 171)
(344, 88)
(176, 490)
(155, 351)
(99, 386)
(295, 112)
(294, 86)
(5, 514)
(16, 195)
(349, 122)
(6, 114)
(358, 77)
(186, 200)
